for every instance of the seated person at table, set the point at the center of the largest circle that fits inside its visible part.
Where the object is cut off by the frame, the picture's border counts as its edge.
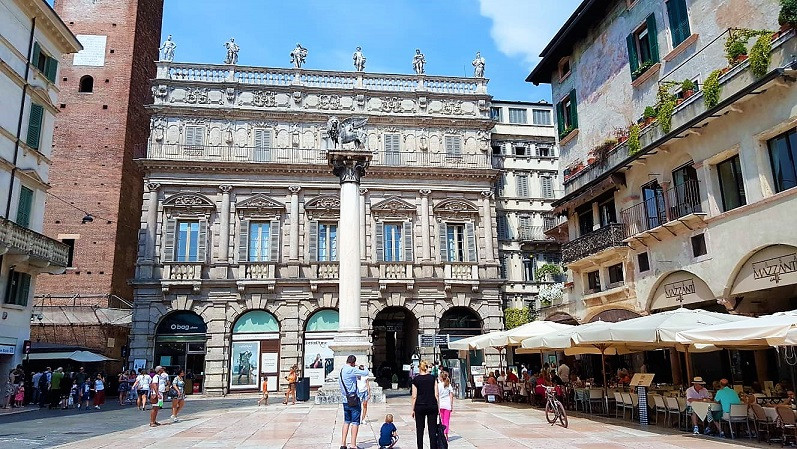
(502, 377)
(726, 396)
(491, 388)
(698, 393)
(511, 376)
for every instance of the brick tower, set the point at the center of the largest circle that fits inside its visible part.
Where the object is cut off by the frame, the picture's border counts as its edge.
(102, 118)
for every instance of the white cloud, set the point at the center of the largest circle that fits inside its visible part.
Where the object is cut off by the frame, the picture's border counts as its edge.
(522, 28)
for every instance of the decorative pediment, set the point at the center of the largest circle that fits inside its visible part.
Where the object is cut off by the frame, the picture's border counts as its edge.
(259, 204)
(194, 203)
(323, 206)
(393, 206)
(455, 207)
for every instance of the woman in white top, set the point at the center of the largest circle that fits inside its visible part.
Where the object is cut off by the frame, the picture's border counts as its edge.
(99, 391)
(446, 393)
(364, 392)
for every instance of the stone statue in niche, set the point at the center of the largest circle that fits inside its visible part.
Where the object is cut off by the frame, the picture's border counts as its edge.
(419, 62)
(346, 131)
(232, 51)
(478, 66)
(359, 59)
(299, 56)
(167, 49)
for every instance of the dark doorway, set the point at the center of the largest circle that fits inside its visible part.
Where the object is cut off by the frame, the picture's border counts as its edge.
(395, 338)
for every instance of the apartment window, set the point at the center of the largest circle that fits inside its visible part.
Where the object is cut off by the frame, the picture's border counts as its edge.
(86, 84)
(594, 281)
(783, 157)
(679, 21)
(259, 242)
(529, 266)
(392, 242)
(522, 185)
(503, 227)
(195, 136)
(46, 64)
(643, 262)
(731, 183)
(643, 48)
(18, 288)
(327, 242)
(699, 245)
(585, 221)
(35, 125)
(564, 68)
(566, 114)
(496, 150)
(71, 256)
(616, 274)
(517, 116)
(525, 227)
(655, 209)
(188, 241)
(262, 149)
(24, 206)
(544, 151)
(495, 114)
(453, 146)
(546, 186)
(520, 150)
(541, 117)
(457, 242)
(608, 214)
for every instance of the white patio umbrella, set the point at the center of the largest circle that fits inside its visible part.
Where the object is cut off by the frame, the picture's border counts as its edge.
(779, 329)
(514, 337)
(463, 344)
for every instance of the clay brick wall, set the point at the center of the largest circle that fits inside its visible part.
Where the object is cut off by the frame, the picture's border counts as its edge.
(94, 141)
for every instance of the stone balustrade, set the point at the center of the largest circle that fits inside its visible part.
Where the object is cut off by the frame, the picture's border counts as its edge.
(395, 270)
(327, 270)
(16, 239)
(461, 271)
(182, 271)
(259, 270)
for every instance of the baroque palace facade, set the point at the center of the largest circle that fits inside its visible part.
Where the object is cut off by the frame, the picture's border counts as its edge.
(236, 277)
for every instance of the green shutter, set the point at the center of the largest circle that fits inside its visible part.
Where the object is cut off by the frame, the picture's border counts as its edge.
(243, 241)
(24, 206)
(633, 56)
(560, 118)
(36, 52)
(23, 289)
(52, 69)
(653, 38)
(34, 125)
(379, 239)
(573, 110)
(679, 21)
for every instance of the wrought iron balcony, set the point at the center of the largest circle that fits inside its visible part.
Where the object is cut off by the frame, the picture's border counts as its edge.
(598, 240)
(662, 208)
(42, 250)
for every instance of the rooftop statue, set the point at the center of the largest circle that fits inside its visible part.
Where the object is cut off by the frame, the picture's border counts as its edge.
(167, 49)
(232, 51)
(418, 62)
(346, 131)
(478, 66)
(359, 59)
(299, 56)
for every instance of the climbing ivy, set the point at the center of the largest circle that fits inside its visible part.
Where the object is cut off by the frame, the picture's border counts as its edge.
(760, 55)
(633, 140)
(514, 317)
(711, 89)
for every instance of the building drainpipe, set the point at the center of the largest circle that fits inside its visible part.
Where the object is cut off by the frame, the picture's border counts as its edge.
(19, 122)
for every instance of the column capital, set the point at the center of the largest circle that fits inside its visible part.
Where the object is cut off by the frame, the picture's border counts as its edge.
(153, 186)
(294, 189)
(425, 192)
(487, 194)
(349, 169)
(225, 188)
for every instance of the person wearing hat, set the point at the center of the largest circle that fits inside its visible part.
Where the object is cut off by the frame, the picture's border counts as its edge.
(698, 393)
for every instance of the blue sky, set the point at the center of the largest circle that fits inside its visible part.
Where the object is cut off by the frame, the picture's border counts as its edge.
(509, 34)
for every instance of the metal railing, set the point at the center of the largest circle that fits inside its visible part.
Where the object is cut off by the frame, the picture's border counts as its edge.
(550, 222)
(309, 156)
(662, 207)
(25, 241)
(609, 236)
(533, 234)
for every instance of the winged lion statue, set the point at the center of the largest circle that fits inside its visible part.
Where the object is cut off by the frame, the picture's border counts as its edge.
(346, 131)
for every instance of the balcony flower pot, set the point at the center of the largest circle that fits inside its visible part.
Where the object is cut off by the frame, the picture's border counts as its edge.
(688, 93)
(590, 160)
(679, 101)
(739, 59)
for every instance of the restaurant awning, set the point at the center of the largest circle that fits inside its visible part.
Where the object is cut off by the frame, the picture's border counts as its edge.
(514, 337)
(779, 329)
(77, 356)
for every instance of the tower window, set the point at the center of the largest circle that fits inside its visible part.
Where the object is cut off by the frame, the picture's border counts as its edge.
(86, 84)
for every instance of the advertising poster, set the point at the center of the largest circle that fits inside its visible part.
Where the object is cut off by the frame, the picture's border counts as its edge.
(318, 360)
(269, 363)
(244, 360)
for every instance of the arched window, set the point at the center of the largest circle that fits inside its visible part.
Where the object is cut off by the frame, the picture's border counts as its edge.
(86, 84)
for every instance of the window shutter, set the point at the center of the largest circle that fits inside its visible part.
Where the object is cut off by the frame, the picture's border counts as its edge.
(501, 224)
(274, 243)
(243, 241)
(560, 118)
(189, 135)
(202, 243)
(34, 125)
(523, 186)
(653, 38)
(52, 69)
(443, 241)
(633, 56)
(262, 145)
(407, 241)
(168, 237)
(379, 241)
(23, 289)
(36, 53)
(547, 187)
(24, 206)
(313, 243)
(470, 233)
(573, 109)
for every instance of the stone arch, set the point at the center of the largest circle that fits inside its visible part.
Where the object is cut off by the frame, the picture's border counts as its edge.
(463, 315)
(562, 317)
(254, 312)
(678, 288)
(188, 314)
(733, 279)
(455, 206)
(765, 281)
(601, 312)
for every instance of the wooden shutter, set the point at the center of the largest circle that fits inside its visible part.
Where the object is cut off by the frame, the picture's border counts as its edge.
(393, 149)
(202, 242)
(470, 234)
(379, 241)
(407, 241)
(560, 117)
(573, 110)
(243, 241)
(168, 238)
(313, 243)
(274, 242)
(262, 145)
(679, 21)
(194, 135)
(443, 241)
(453, 146)
(34, 125)
(52, 69)
(36, 53)
(633, 55)
(501, 223)
(523, 186)
(24, 206)
(23, 289)
(547, 187)
(653, 38)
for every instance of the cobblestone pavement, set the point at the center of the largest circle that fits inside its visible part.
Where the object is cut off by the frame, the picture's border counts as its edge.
(239, 423)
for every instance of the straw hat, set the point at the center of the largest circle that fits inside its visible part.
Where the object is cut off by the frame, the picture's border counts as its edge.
(698, 380)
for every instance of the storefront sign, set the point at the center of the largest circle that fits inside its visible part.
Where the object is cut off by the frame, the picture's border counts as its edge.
(677, 290)
(773, 268)
(181, 323)
(8, 349)
(244, 359)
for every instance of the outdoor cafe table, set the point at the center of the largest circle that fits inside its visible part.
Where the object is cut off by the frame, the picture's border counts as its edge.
(701, 408)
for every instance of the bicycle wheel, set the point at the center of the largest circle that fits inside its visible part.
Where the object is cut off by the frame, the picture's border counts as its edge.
(562, 414)
(550, 412)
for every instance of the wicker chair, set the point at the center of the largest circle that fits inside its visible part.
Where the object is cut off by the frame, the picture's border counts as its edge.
(788, 424)
(762, 422)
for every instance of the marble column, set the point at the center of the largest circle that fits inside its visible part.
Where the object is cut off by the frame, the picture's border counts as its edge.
(427, 248)
(487, 224)
(224, 232)
(152, 219)
(293, 252)
(363, 193)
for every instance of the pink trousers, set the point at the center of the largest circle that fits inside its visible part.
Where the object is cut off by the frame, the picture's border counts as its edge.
(445, 418)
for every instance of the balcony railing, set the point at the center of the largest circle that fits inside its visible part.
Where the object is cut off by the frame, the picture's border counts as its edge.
(182, 271)
(661, 208)
(306, 156)
(20, 240)
(461, 271)
(533, 234)
(395, 270)
(606, 237)
(550, 222)
(327, 270)
(259, 270)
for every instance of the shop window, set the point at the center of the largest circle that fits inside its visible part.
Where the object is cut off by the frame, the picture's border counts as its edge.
(593, 282)
(699, 245)
(255, 342)
(643, 262)
(615, 274)
(319, 359)
(517, 116)
(679, 21)
(643, 48)
(783, 157)
(729, 173)
(541, 117)
(86, 84)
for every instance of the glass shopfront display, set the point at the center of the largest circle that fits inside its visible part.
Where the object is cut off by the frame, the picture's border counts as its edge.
(180, 344)
(318, 357)
(254, 353)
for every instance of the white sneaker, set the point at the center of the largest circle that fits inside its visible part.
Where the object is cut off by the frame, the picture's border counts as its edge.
(696, 431)
(97, 407)
(175, 419)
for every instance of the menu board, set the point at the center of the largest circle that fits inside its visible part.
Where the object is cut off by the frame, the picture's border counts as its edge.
(641, 380)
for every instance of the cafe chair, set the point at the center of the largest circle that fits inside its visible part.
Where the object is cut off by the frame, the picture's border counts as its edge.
(737, 415)
(763, 424)
(673, 409)
(595, 396)
(580, 398)
(659, 406)
(788, 424)
(683, 406)
(634, 404)
(618, 404)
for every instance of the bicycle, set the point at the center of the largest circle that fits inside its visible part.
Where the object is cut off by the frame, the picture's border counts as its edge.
(553, 408)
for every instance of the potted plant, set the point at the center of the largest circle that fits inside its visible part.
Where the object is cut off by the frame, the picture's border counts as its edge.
(735, 50)
(621, 134)
(649, 115)
(687, 88)
(788, 14)
(394, 382)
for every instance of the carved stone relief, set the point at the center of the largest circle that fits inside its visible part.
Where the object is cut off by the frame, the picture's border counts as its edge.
(323, 206)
